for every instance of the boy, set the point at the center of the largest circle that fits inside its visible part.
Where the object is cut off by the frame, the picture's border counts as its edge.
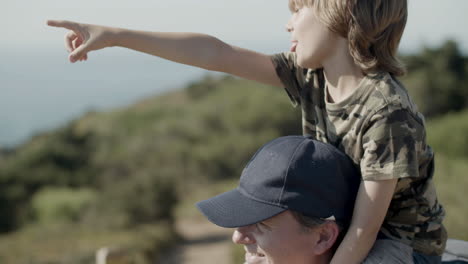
(341, 71)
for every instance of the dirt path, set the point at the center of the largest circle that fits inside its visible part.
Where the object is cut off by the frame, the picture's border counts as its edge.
(203, 243)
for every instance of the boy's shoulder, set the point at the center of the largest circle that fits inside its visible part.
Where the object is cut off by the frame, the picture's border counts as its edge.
(388, 94)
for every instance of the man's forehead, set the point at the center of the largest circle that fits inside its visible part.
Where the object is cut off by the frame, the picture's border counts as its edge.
(277, 218)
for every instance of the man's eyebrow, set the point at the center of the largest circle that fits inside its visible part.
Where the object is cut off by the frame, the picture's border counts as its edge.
(267, 222)
(266, 225)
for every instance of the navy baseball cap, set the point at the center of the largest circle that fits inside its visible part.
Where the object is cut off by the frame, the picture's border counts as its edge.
(289, 173)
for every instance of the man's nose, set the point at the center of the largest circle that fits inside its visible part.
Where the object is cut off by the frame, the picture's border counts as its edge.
(243, 235)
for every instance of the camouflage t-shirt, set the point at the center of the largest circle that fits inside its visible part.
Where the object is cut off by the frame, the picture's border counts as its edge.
(379, 127)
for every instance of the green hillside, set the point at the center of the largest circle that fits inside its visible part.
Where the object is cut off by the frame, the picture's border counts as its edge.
(448, 135)
(126, 169)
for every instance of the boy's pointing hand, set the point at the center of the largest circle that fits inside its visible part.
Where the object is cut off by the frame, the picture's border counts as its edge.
(82, 38)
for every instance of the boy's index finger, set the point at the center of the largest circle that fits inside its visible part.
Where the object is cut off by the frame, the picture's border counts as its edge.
(62, 23)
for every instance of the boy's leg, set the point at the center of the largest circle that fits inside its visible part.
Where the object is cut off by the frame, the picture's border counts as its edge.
(389, 251)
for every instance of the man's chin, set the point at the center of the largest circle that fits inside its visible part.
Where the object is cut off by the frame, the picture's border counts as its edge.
(255, 259)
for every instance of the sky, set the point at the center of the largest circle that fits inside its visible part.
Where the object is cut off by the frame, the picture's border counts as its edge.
(256, 24)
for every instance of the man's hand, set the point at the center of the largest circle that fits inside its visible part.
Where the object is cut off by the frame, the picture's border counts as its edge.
(83, 38)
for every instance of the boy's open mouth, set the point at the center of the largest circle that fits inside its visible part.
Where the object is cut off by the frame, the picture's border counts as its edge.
(293, 46)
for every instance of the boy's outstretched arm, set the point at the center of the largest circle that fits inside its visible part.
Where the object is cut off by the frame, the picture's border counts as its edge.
(194, 49)
(370, 208)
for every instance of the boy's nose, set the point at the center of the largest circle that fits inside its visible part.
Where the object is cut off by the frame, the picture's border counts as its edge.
(288, 27)
(242, 235)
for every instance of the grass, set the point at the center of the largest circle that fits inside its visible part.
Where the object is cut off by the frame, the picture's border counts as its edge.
(451, 186)
(77, 245)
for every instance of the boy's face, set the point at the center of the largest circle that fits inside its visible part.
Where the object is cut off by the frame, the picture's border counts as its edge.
(312, 41)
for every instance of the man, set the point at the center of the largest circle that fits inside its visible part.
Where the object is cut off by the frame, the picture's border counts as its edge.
(294, 199)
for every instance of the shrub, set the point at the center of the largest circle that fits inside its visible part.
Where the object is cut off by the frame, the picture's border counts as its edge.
(61, 204)
(448, 135)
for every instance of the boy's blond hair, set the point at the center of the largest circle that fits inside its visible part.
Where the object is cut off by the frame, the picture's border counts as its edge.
(373, 29)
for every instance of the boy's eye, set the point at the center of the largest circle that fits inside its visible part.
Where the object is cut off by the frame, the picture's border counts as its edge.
(294, 8)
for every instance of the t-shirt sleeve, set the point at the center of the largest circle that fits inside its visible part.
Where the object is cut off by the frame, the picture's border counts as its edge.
(291, 75)
(391, 145)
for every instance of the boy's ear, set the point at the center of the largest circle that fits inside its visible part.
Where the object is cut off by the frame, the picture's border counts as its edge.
(327, 235)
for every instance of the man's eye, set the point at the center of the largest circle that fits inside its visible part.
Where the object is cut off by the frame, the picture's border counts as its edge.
(263, 226)
(259, 226)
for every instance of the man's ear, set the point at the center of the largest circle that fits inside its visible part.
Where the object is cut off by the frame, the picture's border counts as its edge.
(327, 235)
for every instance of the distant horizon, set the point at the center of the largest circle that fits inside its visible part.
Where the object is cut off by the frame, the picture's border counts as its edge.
(265, 47)
(41, 88)
(39, 108)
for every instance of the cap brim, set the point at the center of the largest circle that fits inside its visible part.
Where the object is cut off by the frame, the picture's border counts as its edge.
(232, 209)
